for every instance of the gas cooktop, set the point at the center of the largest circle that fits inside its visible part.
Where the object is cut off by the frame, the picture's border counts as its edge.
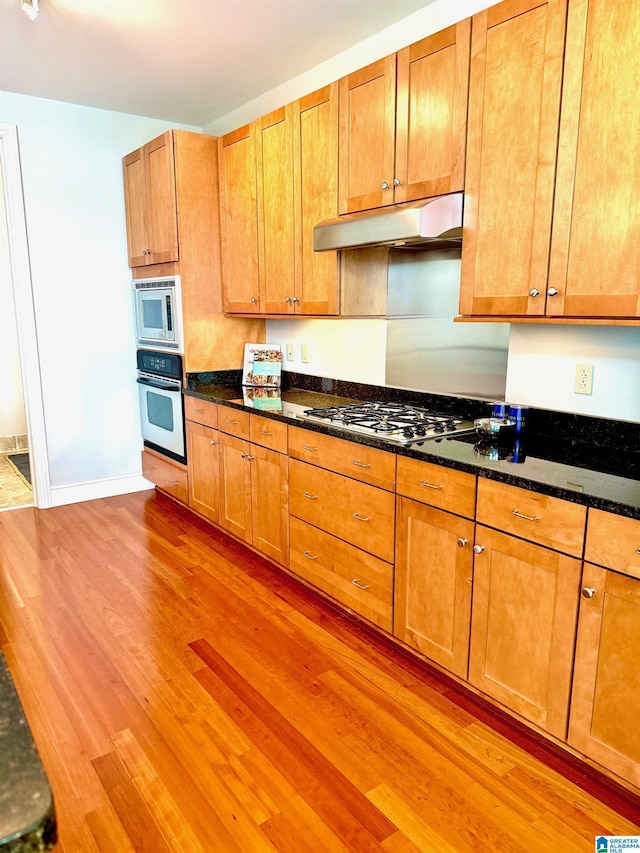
(401, 423)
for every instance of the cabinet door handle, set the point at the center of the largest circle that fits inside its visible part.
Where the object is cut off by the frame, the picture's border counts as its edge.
(295, 299)
(254, 300)
(462, 542)
(385, 186)
(306, 447)
(552, 292)
(311, 497)
(360, 517)
(397, 182)
(212, 442)
(362, 464)
(287, 299)
(526, 517)
(534, 292)
(429, 485)
(637, 550)
(588, 592)
(478, 549)
(360, 585)
(248, 457)
(309, 556)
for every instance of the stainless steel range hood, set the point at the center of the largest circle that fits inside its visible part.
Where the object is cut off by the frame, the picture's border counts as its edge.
(434, 223)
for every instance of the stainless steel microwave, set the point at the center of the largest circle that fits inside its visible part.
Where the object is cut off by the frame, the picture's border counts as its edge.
(157, 311)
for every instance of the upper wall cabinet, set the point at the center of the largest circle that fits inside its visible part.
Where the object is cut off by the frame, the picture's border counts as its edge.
(524, 254)
(150, 203)
(278, 180)
(403, 123)
(239, 220)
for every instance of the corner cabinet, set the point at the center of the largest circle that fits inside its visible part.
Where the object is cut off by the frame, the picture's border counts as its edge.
(551, 217)
(150, 203)
(278, 180)
(403, 123)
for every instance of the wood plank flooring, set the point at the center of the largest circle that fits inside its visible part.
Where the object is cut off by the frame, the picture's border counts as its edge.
(187, 696)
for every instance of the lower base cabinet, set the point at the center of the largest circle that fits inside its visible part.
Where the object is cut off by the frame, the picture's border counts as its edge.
(523, 627)
(606, 686)
(359, 581)
(203, 449)
(171, 477)
(434, 572)
(254, 496)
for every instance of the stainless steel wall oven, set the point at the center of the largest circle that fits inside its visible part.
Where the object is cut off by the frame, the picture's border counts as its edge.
(161, 403)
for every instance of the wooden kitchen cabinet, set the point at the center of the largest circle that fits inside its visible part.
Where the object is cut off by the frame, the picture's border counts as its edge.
(203, 453)
(239, 220)
(169, 476)
(523, 628)
(290, 159)
(514, 111)
(605, 701)
(150, 203)
(595, 246)
(254, 504)
(551, 219)
(434, 572)
(403, 123)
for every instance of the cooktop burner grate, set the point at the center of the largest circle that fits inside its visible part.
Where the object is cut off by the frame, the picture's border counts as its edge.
(398, 422)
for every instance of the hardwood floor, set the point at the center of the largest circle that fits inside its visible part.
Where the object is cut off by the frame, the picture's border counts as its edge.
(187, 696)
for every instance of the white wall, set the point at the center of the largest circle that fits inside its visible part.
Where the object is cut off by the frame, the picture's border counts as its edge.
(542, 362)
(72, 178)
(12, 414)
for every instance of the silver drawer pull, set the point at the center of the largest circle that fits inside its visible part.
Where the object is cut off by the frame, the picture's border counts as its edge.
(264, 432)
(526, 517)
(360, 517)
(309, 556)
(174, 482)
(637, 550)
(429, 485)
(306, 447)
(362, 464)
(200, 411)
(360, 585)
(228, 421)
(311, 497)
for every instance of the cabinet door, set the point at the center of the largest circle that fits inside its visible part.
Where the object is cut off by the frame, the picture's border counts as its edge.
(523, 627)
(606, 689)
(514, 104)
(367, 136)
(434, 566)
(135, 207)
(274, 156)
(235, 483)
(204, 470)
(162, 215)
(431, 114)
(595, 253)
(239, 220)
(270, 503)
(315, 143)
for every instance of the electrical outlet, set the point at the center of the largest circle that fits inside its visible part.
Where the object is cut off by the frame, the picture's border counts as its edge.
(304, 353)
(289, 352)
(583, 382)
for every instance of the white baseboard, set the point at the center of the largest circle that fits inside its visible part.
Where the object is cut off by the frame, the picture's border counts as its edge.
(62, 495)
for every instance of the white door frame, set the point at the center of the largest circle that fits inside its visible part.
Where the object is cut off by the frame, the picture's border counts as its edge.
(25, 313)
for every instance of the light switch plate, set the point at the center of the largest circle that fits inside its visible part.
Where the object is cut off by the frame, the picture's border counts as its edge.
(304, 353)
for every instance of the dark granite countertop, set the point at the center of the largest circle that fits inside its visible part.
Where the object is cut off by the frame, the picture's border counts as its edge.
(27, 817)
(591, 461)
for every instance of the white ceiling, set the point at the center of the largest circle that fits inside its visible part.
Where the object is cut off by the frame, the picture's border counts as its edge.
(184, 61)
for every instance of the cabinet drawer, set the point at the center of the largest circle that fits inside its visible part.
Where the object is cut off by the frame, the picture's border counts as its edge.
(201, 411)
(377, 467)
(549, 521)
(165, 475)
(441, 487)
(355, 512)
(268, 433)
(613, 541)
(233, 421)
(361, 582)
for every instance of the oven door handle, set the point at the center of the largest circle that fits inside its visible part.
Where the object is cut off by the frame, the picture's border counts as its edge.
(158, 385)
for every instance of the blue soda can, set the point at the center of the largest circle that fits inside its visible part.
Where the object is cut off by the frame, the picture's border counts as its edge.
(519, 415)
(499, 410)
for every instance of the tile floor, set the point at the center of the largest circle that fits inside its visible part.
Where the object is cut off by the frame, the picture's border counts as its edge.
(14, 491)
